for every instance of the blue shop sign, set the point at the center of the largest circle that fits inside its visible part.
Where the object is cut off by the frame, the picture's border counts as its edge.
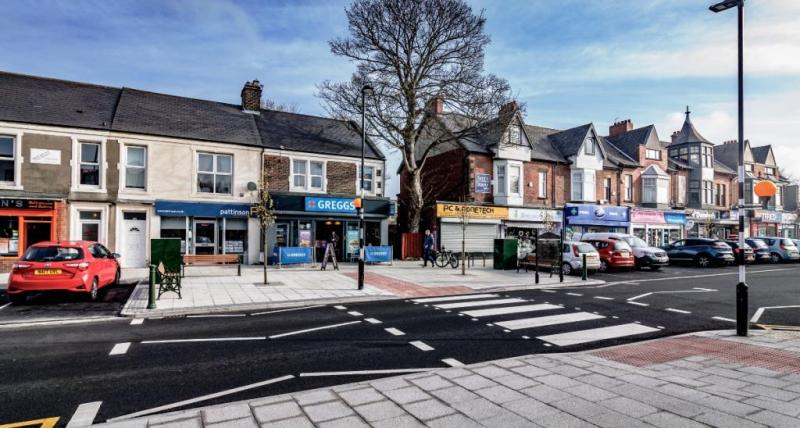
(483, 183)
(675, 218)
(294, 255)
(330, 205)
(596, 215)
(201, 209)
(380, 253)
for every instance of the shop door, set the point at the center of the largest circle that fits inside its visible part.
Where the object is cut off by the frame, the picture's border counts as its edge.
(205, 236)
(132, 250)
(36, 232)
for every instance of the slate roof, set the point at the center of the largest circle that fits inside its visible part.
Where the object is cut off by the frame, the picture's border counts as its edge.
(727, 154)
(721, 168)
(45, 101)
(654, 170)
(688, 133)
(679, 163)
(543, 148)
(760, 153)
(630, 141)
(615, 156)
(568, 141)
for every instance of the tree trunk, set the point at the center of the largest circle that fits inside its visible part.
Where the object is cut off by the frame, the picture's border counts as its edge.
(264, 251)
(415, 202)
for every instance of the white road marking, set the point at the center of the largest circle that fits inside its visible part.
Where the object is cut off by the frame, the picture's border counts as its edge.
(452, 298)
(366, 372)
(5, 306)
(472, 304)
(356, 314)
(208, 339)
(761, 310)
(285, 310)
(339, 307)
(596, 334)
(723, 319)
(574, 294)
(680, 311)
(548, 320)
(137, 321)
(638, 303)
(704, 289)
(84, 415)
(670, 278)
(203, 398)
(510, 310)
(603, 298)
(394, 331)
(120, 348)
(526, 337)
(216, 316)
(639, 297)
(421, 345)
(452, 362)
(373, 321)
(324, 327)
(547, 291)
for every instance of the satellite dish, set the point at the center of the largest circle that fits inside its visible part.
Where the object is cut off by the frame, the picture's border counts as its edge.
(252, 186)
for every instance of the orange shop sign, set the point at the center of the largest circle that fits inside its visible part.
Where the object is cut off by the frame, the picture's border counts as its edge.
(471, 211)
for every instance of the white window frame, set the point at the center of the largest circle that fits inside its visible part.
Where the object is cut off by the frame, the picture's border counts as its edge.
(371, 181)
(682, 189)
(576, 185)
(588, 147)
(75, 226)
(515, 131)
(18, 158)
(502, 180)
(627, 183)
(542, 193)
(76, 165)
(649, 190)
(748, 167)
(126, 166)
(652, 154)
(519, 179)
(307, 186)
(768, 170)
(607, 190)
(213, 172)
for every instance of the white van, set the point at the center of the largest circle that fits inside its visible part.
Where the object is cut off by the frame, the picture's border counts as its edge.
(573, 257)
(645, 255)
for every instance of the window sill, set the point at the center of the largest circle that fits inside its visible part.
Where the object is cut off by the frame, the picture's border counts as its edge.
(213, 195)
(8, 186)
(302, 190)
(89, 190)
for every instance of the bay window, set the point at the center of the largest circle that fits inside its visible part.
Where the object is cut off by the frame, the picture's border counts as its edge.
(501, 179)
(514, 179)
(508, 182)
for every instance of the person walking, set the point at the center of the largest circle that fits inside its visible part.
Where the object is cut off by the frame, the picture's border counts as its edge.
(427, 249)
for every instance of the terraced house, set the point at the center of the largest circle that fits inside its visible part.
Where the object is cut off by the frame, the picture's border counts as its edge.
(121, 165)
(523, 177)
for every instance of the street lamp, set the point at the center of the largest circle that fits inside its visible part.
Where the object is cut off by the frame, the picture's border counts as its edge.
(365, 90)
(741, 288)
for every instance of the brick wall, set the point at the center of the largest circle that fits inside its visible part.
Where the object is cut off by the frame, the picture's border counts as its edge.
(277, 172)
(562, 184)
(531, 184)
(62, 221)
(730, 183)
(600, 185)
(341, 178)
(478, 164)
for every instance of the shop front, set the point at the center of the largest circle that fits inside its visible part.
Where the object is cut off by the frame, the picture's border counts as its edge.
(314, 221)
(24, 222)
(789, 225)
(209, 228)
(726, 225)
(766, 223)
(656, 227)
(700, 224)
(477, 225)
(525, 222)
(580, 219)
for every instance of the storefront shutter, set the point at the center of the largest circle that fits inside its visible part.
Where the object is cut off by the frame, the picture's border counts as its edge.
(479, 238)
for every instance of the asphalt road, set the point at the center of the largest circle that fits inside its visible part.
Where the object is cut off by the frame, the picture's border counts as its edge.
(50, 371)
(55, 306)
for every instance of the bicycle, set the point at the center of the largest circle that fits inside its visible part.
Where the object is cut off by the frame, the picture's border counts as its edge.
(445, 257)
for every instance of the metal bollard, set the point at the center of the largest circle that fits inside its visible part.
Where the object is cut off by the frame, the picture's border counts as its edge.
(583, 274)
(151, 298)
(239, 267)
(742, 321)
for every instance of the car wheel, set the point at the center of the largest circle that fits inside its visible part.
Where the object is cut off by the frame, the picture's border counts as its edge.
(94, 291)
(18, 299)
(703, 261)
(774, 258)
(603, 266)
(566, 269)
(116, 278)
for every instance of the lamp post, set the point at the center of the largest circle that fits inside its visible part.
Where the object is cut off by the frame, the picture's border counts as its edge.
(366, 89)
(741, 288)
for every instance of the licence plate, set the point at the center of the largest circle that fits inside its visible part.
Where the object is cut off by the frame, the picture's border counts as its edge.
(47, 272)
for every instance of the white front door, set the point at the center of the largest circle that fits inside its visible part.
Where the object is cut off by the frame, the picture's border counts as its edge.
(134, 245)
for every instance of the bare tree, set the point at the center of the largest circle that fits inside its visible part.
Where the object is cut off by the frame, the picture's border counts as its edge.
(264, 210)
(410, 52)
(269, 104)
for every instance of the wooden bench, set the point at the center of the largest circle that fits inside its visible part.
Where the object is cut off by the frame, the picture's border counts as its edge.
(213, 259)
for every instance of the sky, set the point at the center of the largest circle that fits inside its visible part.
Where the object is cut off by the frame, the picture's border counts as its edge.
(570, 61)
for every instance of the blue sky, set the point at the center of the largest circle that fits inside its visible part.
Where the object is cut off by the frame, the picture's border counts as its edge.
(570, 61)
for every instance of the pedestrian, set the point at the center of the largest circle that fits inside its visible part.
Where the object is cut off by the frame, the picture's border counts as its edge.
(427, 249)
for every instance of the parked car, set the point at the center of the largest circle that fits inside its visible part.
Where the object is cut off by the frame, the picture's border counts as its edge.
(644, 255)
(573, 257)
(614, 253)
(75, 266)
(781, 249)
(749, 254)
(761, 250)
(700, 251)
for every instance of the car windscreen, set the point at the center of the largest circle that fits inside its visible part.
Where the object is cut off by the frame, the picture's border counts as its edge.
(757, 243)
(622, 246)
(635, 241)
(52, 253)
(585, 248)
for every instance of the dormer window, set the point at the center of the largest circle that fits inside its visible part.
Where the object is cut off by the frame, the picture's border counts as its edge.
(652, 154)
(769, 171)
(514, 135)
(748, 167)
(588, 146)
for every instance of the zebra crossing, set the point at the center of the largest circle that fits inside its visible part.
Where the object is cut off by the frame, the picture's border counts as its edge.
(512, 314)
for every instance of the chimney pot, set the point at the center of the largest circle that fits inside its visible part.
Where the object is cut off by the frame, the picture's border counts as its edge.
(620, 127)
(436, 105)
(251, 96)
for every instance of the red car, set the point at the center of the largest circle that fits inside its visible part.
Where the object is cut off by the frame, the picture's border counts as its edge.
(75, 266)
(614, 253)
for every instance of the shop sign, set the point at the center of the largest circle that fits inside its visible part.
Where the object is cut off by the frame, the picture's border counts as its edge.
(471, 211)
(788, 218)
(26, 204)
(535, 215)
(330, 205)
(647, 216)
(675, 218)
(201, 209)
(294, 255)
(596, 215)
(483, 183)
(702, 215)
(46, 156)
(768, 216)
(380, 253)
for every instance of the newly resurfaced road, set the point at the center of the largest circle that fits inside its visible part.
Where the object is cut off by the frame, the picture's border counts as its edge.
(121, 369)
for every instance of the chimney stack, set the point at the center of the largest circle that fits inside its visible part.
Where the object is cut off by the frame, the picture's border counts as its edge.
(620, 127)
(508, 107)
(436, 105)
(251, 96)
(730, 142)
(675, 135)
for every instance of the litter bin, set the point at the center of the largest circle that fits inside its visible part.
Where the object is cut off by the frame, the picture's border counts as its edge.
(505, 254)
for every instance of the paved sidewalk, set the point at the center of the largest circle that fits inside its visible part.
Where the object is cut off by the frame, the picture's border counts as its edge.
(218, 289)
(705, 379)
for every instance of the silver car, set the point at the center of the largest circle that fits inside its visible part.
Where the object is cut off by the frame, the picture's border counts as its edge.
(573, 257)
(781, 249)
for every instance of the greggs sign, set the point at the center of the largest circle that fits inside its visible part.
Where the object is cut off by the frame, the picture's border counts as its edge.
(471, 211)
